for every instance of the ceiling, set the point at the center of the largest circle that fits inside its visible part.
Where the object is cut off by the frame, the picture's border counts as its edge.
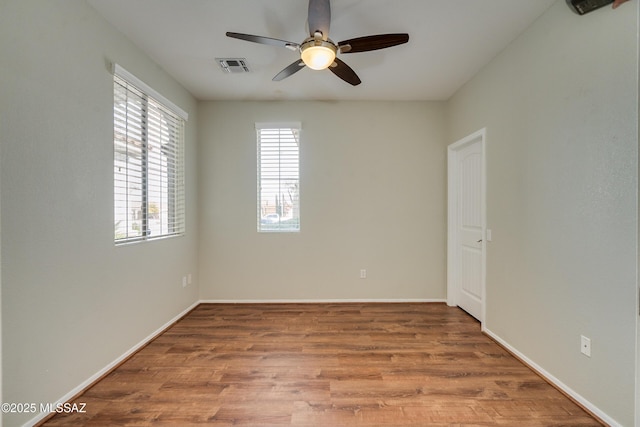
(450, 41)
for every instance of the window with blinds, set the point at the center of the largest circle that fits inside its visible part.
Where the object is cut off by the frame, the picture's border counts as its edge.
(278, 177)
(148, 140)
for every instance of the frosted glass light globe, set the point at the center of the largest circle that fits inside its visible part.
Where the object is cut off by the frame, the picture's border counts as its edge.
(318, 57)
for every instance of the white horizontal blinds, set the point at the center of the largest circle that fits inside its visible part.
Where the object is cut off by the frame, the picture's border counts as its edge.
(148, 166)
(278, 177)
(128, 141)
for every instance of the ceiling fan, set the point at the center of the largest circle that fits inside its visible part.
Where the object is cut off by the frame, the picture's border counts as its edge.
(318, 51)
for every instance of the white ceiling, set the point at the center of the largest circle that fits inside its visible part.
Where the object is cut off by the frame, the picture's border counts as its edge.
(450, 41)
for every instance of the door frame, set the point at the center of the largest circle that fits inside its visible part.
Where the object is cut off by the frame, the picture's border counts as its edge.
(452, 219)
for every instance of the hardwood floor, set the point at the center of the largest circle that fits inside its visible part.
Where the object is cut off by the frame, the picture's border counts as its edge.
(352, 364)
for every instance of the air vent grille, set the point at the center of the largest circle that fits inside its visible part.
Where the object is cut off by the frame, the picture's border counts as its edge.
(233, 65)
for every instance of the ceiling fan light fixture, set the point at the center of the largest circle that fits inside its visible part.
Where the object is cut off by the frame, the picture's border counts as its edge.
(318, 54)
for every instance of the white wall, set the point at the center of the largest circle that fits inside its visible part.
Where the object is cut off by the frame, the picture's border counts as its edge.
(372, 197)
(637, 424)
(1, 294)
(561, 109)
(71, 301)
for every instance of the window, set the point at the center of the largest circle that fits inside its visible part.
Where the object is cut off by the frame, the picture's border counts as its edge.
(148, 140)
(278, 177)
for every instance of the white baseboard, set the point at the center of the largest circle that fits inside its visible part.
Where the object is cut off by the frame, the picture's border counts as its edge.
(317, 301)
(89, 381)
(565, 388)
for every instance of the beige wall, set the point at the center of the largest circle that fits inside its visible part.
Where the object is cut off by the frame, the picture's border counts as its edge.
(560, 105)
(71, 302)
(372, 197)
(637, 423)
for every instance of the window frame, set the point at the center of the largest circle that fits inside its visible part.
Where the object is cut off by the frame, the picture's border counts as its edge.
(159, 170)
(288, 187)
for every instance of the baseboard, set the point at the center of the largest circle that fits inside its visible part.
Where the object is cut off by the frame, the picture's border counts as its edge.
(579, 399)
(318, 301)
(95, 377)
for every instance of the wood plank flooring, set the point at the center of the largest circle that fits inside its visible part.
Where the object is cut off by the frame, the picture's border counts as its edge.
(351, 364)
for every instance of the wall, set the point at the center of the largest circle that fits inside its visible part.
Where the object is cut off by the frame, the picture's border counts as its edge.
(372, 197)
(1, 398)
(561, 109)
(637, 424)
(72, 302)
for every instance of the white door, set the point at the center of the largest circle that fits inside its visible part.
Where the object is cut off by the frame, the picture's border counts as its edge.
(466, 243)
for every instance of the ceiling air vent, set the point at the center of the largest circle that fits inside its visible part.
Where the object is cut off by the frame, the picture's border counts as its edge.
(233, 65)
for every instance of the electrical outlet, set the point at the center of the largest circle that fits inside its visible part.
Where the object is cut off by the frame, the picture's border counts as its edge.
(184, 281)
(585, 346)
(363, 274)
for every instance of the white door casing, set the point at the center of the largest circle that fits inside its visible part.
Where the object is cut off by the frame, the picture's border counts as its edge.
(466, 260)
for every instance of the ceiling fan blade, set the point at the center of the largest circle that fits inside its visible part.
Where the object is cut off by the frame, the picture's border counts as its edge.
(291, 69)
(367, 43)
(345, 72)
(319, 18)
(264, 40)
